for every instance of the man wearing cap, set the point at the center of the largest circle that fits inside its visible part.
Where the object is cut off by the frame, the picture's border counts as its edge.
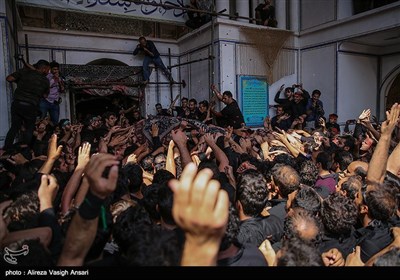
(65, 130)
(332, 125)
(32, 85)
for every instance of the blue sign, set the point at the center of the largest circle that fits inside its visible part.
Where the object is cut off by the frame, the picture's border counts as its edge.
(254, 97)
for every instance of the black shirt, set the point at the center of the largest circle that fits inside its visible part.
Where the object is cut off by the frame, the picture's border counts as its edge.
(194, 115)
(248, 255)
(298, 109)
(373, 238)
(283, 124)
(278, 208)
(232, 116)
(266, 13)
(31, 86)
(334, 125)
(180, 112)
(164, 112)
(150, 46)
(345, 244)
(284, 102)
(255, 230)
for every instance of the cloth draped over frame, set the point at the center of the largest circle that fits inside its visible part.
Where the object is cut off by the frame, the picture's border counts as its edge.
(166, 124)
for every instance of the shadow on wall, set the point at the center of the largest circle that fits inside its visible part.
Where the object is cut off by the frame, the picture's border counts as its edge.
(360, 6)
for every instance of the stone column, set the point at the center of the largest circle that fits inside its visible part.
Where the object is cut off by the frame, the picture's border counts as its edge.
(280, 13)
(242, 7)
(344, 9)
(222, 4)
(294, 14)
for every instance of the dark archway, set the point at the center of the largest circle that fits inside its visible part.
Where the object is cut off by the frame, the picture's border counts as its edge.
(393, 95)
(107, 61)
(102, 85)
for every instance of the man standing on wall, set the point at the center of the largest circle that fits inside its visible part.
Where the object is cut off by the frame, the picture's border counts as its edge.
(50, 103)
(31, 86)
(151, 54)
(265, 14)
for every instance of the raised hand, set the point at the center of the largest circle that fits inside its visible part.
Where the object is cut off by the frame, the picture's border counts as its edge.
(228, 170)
(47, 191)
(267, 122)
(322, 122)
(245, 143)
(280, 136)
(53, 152)
(228, 133)
(236, 147)
(391, 120)
(365, 114)
(83, 155)
(179, 137)
(99, 185)
(131, 159)
(201, 209)
(154, 130)
(209, 139)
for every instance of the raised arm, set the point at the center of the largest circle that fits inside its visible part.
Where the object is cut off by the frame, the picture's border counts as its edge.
(216, 91)
(82, 230)
(219, 154)
(170, 161)
(74, 181)
(53, 153)
(377, 166)
(26, 64)
(180, 140)
(172, 105)
(282, 137)
(201, 210)
(366, 122)
(48, 218)
(276, 98)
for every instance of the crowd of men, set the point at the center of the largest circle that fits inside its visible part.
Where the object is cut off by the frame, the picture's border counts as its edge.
(193, 185)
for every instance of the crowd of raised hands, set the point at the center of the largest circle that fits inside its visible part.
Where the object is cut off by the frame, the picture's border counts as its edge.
(200, 206)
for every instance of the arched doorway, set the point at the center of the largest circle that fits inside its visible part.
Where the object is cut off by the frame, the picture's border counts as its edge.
(102, 85)
(393, 94)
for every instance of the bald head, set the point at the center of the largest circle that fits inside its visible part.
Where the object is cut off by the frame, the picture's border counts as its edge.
(357, 168)
(301, 224)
